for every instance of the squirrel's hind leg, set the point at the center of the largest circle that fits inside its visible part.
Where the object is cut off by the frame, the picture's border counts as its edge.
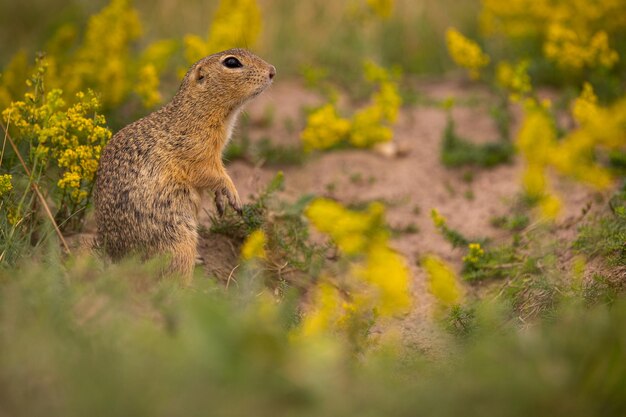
(183, 259)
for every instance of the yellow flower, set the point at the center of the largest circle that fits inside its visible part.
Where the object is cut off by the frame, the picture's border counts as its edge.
(254, 246)
(147, 86)
(388, 275)
(378, 280)
(327, 309)
(102, 62)
(466, 53)
(367, 128)
(442, 281)
(5, 184)
(70, 137)
(438, 219)
(369, 125)
(550, 207)
(324, 129)
(382, 8)
(574, 49)
(575, 34)
(514, 79)
(351, 231)
(474, 255)
(236, 23)
(585, 107)
(536, 141)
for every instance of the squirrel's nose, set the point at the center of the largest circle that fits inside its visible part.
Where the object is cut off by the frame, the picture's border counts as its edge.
(272, 71)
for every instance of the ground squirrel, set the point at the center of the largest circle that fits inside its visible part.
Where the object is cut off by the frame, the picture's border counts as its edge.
(152, 172)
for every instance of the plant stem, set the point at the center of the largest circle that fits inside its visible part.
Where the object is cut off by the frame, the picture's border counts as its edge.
(35, 188)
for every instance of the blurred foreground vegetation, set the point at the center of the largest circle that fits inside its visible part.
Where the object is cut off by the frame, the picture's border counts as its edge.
(79, 340)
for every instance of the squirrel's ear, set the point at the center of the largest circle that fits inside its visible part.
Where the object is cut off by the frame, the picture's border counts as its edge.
(199, 73)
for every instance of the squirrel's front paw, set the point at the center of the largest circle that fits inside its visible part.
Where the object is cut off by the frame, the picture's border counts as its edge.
(223, 194)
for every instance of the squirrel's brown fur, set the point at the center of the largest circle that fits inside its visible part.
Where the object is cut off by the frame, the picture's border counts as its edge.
(152, 172)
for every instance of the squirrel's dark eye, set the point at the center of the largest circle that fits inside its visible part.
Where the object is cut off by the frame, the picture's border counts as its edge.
(232, 62)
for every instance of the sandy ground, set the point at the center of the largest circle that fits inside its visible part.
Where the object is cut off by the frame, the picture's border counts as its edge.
(412, 185)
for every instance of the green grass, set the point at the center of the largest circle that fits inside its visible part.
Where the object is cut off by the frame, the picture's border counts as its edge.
(607, 236)
(264, 152)
(457, 151)
(514, 222)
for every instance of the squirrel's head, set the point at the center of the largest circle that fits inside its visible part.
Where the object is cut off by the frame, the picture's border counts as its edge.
(227, 79)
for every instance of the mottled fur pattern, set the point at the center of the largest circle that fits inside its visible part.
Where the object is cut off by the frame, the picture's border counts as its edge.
(152, 172)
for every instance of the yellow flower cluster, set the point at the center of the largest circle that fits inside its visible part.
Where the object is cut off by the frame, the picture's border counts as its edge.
(514, 18)
(378, 279)
(381, 8)
(575, 33)
(236, 23)
(570, 49)
(368, 126)
(474, 254)
(438, 220)
(353, 232)
(254, 246)
(514, 79)
(329, 311)
(466, 53)
(536, 142)
(442, 281)
(72, 137)
(148, 86)
(574, 154)
(585, 106)
(12, 79)
(324, 129)
(5, 184)
(101, 60)
(364, 11)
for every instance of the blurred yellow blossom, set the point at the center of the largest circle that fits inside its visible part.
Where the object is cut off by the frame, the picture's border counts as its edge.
(329, 309)
(369, 125)
(377, 281)
(102, 61)
(466, 53)
(382, 8)
(147, 86)
(372, 124)
(514, 79)
(352, 231)
(236, 23)
(570, 48)
(12, 78)
(367, 129)
(324, 129)
(442, 281)
(5, 184)
(437, 218)
(387, 272)
(585, 107)
(575, 34)
(254, 246)
(550, 206)
(574, 154)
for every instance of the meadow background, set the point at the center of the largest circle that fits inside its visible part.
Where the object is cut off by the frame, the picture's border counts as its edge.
(434, 220)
